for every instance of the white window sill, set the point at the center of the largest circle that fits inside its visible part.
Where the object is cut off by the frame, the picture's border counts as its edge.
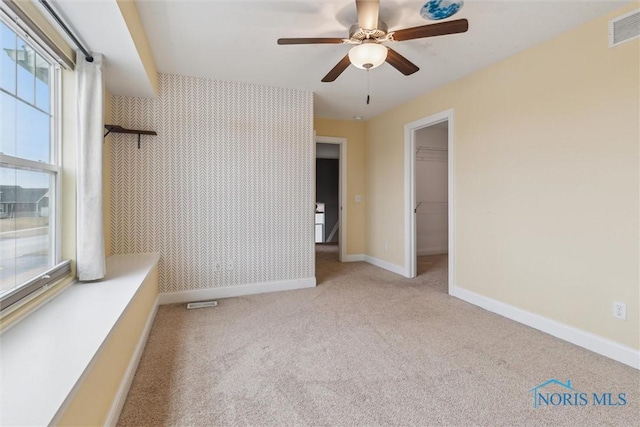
(45, 355)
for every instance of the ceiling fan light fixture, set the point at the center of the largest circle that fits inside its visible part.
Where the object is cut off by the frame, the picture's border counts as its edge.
(368, 55)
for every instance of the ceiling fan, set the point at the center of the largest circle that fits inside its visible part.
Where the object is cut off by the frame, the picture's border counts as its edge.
(369, 34)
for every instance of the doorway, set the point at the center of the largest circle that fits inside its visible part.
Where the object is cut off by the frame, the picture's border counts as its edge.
(331, 211)
(429, 192)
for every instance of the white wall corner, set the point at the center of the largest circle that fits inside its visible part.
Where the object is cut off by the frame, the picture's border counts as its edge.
(394, 268)
(236, 291)
(600, 345)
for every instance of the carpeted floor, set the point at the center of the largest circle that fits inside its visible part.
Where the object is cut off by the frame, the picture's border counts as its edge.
(365, 347)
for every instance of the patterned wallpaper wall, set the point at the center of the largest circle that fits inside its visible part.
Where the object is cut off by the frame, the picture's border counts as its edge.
(225, 192)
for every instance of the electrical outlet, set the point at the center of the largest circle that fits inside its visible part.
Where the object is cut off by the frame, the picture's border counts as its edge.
(385, 246)
(620, 310)
(230, 265)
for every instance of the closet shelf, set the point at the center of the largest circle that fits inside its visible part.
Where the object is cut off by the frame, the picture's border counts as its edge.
(430, 148)
(427, 153)
(120, 129)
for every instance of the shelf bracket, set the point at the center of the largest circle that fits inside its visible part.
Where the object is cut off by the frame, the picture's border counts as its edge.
(120, 129)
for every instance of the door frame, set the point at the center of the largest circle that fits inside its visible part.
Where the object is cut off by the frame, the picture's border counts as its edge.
(342, 191)
(410, 129)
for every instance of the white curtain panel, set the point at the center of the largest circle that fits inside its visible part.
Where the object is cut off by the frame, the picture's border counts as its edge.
(90, 235)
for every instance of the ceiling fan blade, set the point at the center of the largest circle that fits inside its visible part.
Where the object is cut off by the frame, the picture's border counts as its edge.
(337, 70)
(401, 63)
(430, 30)
(311, 41)
(368, 13)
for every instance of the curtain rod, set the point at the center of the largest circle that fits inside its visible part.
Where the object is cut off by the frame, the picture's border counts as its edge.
(67, 30)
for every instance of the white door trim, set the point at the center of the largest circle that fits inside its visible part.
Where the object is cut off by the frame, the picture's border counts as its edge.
(342, 191)
(410, 191)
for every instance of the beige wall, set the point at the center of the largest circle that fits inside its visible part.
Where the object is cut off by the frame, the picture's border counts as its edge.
(131, 17)
(106, 178)
(546, 180)
(384, 217)
(93, 400)
(353, 131)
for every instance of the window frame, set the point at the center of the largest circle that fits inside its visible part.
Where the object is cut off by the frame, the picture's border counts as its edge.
(58, 267)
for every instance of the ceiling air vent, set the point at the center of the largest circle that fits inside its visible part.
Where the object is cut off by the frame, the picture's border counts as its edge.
(624, 28)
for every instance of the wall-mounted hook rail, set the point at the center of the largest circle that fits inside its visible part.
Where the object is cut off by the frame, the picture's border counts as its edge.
(120, 129)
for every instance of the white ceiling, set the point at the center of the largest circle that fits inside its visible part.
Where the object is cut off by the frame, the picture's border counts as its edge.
(235, 40)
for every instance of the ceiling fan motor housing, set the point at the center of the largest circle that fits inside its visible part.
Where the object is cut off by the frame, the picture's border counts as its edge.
(356, 33)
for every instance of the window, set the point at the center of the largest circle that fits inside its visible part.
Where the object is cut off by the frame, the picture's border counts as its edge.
(29, 167)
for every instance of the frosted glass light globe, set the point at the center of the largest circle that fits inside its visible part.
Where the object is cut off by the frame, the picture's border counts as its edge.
(368, 55)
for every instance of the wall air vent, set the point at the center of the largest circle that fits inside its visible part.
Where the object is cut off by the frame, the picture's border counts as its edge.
(624, 28)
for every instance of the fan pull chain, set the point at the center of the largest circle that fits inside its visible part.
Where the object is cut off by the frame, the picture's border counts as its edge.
(368, 97)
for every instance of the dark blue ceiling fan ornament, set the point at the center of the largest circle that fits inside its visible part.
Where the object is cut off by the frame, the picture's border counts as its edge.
(435, 10)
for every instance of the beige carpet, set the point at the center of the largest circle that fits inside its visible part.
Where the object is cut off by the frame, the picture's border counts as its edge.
(366, 347)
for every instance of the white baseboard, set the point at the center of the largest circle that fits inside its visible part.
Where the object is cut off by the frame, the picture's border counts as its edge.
(353, 258)
(597, 344)
(432, 251)
(236, 291)
(394, 268)
(125, 384)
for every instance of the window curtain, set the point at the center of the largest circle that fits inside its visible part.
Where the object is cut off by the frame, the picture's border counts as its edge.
(91, 263)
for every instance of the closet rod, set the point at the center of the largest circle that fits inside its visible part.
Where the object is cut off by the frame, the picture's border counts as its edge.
(67, 30)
